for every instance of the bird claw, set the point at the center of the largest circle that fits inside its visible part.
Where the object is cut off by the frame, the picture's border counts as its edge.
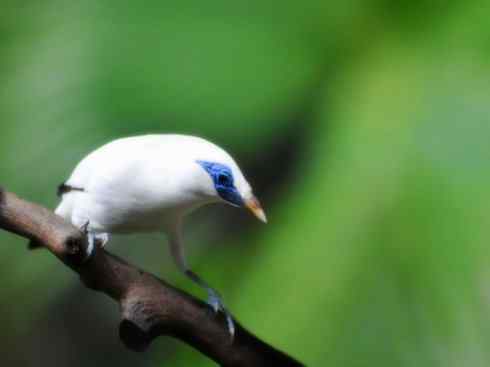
(214, 300)
(91, 247)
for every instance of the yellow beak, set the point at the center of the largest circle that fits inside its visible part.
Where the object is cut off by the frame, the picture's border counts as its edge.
(253, 204)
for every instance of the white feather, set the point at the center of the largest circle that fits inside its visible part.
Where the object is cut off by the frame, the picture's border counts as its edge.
(144, 183)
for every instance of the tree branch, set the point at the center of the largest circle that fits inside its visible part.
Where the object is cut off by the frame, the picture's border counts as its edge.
(149, 306)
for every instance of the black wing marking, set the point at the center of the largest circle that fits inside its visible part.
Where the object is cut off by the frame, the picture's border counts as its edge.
(64, 188)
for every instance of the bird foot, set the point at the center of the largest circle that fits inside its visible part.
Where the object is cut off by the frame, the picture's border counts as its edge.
(216, 303)
(91, 238)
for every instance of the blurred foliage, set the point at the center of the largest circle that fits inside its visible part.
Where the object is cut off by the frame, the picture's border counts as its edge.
(364, 125)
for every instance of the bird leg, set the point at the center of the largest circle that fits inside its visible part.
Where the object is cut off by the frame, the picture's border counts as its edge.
(92, 239)
(214, 299)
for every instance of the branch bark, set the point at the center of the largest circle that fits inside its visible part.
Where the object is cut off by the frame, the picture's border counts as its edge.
(150, 307)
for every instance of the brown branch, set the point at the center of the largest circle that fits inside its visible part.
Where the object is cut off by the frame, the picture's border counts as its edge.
(149, 306)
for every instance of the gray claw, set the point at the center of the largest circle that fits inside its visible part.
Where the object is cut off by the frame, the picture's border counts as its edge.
(231, 324)
(91, 241)
(90, 248)
(214, 300)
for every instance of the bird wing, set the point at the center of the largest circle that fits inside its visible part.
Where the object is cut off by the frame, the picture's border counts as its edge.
(122, 184)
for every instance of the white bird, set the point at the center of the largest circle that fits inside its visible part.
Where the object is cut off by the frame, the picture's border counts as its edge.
(149, 184)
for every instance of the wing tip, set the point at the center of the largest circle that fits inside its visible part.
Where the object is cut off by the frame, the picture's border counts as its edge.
(64, 188)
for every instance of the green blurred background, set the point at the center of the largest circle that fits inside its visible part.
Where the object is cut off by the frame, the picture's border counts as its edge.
(363, 125)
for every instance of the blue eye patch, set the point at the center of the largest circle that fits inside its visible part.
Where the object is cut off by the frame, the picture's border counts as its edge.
(224, 181)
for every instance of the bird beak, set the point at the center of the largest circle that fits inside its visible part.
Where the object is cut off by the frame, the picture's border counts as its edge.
(253, 204)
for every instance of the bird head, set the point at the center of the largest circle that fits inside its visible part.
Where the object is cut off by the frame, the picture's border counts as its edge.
(230, 186)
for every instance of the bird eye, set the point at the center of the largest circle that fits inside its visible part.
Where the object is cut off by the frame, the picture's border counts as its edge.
(224, 179)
